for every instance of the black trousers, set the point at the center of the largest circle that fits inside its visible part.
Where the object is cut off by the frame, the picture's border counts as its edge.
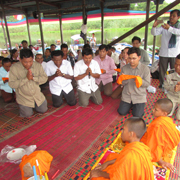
(137, 109)
(114, 79)
(58, 100)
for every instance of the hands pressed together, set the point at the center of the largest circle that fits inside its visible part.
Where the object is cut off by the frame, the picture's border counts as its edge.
(88, 70)
(58, 73)
(29, 75)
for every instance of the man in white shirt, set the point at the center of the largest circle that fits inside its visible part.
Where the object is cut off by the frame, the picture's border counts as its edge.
(39, 59)
(115, 57)
(93, 41)
(85, 72)
(170, 42)
(60, 75)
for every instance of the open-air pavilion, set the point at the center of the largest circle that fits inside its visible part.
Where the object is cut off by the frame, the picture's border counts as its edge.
(75, 136)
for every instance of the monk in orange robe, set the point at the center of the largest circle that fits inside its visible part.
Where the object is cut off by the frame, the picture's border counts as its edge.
(133, 162)
(162, 136)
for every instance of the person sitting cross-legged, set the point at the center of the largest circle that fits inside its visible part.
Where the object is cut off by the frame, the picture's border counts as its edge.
(162, 136)
(25, 77)
(133, 162)
(133, 97)
(85, 72)
(60, 75)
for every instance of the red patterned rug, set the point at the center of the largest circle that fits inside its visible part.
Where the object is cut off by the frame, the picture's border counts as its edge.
(76, 138)
(65, 134)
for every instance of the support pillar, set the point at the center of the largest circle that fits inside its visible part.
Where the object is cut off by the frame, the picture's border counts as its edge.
(40, 26)
(7, 30)
(29, 35)
(154, 39)
(146, 27)
(61, 29)
(5, 37)
(84, 19)
(102, 22)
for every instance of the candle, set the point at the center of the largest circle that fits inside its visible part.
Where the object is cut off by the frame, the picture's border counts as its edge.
(34, 171)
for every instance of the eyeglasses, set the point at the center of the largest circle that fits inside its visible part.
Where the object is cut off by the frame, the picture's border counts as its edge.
(133, 59)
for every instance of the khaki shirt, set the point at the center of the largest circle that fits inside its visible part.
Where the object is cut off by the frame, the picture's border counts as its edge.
(170, 82)
(27, 91)
(130, 92)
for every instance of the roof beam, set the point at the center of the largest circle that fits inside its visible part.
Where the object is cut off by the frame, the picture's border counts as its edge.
(123, 6)
(47, 3)
(18, 9)
(61, 9)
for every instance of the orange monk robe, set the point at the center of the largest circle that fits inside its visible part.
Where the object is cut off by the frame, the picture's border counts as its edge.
(161, 137)
(133, 163)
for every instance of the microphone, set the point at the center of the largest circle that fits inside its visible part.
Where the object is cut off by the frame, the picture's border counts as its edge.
(89, 75)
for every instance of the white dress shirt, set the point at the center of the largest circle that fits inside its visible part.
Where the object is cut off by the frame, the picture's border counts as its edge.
(166, 35)
(86, 84)
(115, 57)
(59, 83)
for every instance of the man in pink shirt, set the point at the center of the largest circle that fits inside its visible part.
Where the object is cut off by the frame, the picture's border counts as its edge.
(107, 66)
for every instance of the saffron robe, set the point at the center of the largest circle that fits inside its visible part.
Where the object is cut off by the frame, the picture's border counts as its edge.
(133, 163)
(161, 137)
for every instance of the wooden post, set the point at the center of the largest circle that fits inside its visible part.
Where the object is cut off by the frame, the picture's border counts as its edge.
(40, 26)
(61, 29)
(29, 35)
(167, 8)
(84, 16)
(102, 22)
(154, 39)
(146, 27)
(5, 37)
(7, 30)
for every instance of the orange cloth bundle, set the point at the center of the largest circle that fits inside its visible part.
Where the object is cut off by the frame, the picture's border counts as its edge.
(118, 70)
(123, 77)
(5, 78)
(102, 71)
(44, 159)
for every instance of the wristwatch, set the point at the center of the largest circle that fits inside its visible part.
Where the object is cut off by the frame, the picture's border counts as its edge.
(63, 75)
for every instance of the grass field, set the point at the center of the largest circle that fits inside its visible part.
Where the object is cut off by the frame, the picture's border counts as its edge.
(51, 36)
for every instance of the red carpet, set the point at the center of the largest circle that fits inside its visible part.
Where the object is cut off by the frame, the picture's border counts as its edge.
(65, 137)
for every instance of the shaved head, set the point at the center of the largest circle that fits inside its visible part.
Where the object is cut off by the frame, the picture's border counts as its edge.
(165, 104)
(136, 125)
